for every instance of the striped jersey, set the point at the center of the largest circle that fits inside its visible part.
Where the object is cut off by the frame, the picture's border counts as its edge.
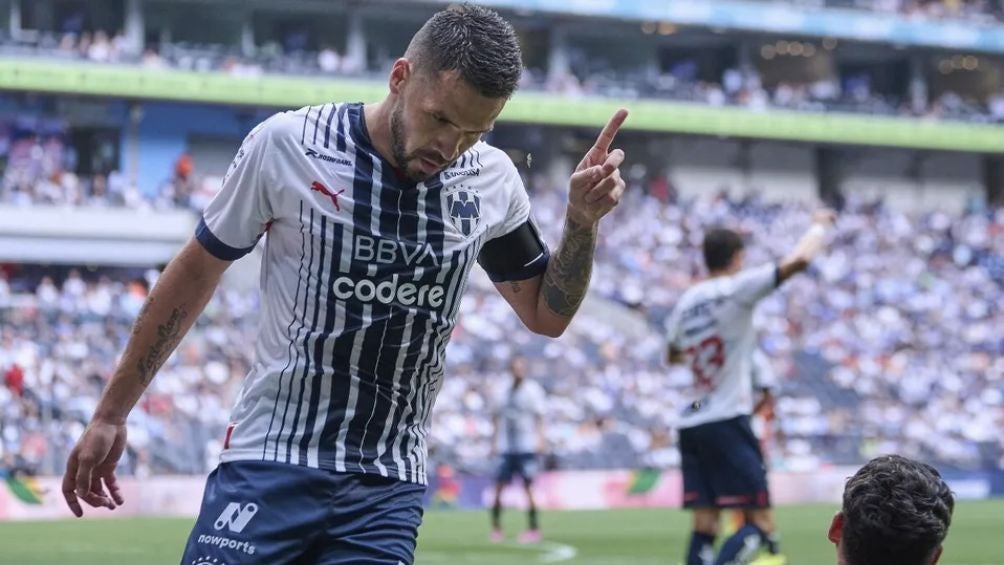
(361, 279)
(712, 325)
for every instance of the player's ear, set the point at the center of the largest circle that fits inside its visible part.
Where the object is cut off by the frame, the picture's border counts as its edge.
(836, 528)
(399, 75)
(936, 556)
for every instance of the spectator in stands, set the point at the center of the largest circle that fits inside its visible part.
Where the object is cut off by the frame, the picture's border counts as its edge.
(329, 61)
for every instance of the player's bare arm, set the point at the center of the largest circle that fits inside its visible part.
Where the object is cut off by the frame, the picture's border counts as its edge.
(808, 246)
(547, 303)
(766, 399)
(175, 302)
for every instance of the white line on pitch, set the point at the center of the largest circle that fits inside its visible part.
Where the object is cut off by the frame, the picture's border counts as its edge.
(557, 552)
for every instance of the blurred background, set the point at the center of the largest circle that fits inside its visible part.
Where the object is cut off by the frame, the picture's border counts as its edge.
(119, 117)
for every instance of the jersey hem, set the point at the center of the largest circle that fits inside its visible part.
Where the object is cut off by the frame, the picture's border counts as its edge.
(234, 455)
(713, 420)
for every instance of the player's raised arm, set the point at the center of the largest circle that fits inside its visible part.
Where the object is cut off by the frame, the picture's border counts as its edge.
(807, 247)
(547, 302)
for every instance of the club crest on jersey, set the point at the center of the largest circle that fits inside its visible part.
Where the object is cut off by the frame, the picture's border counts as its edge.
(464, 208)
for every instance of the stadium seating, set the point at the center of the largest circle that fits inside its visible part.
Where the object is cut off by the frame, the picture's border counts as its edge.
(848, 391)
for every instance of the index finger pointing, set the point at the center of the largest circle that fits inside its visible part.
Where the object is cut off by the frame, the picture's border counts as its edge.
(609, 132)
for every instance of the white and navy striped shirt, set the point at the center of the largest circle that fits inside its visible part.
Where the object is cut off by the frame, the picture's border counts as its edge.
(361, 280)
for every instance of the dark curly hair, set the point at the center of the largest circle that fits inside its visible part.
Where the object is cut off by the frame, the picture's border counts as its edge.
(477, 42)
(896, 512)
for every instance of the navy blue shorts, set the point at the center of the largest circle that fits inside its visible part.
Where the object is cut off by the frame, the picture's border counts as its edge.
(266, 513)
(723, 466)
(522, 465)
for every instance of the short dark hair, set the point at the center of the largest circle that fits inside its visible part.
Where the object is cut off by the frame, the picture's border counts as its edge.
(896, 512)
(475, 41)
(720, 246)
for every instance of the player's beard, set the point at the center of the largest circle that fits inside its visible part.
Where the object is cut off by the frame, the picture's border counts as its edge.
(398, 142)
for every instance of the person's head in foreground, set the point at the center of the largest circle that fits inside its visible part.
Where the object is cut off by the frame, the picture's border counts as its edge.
(445, 93)
(896, 511)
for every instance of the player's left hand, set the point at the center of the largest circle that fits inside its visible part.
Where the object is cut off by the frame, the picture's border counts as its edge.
(90, 470)
(596, 185)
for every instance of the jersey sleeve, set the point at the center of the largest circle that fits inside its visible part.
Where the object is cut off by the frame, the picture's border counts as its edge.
(753, 285)
(238, 215)
(516, 251)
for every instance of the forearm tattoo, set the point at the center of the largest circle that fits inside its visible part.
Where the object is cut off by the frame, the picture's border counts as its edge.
(567, 277)
(168, 335)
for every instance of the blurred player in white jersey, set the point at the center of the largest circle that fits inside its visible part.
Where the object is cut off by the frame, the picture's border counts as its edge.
(518, 422)
(711, 330)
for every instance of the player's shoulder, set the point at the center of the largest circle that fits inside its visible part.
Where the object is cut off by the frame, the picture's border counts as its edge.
(483, 164)
(760, 272)
(491, 157)
(697, 292)
(291, 124)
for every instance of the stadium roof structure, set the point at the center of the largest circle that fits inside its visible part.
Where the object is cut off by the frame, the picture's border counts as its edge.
(527, 107)
(782, 17)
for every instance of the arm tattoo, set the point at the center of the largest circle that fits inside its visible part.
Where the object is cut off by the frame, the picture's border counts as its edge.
(168, 336)
(516, 287)
(567, 277)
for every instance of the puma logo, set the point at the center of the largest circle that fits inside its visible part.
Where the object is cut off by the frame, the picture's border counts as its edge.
(318, 187)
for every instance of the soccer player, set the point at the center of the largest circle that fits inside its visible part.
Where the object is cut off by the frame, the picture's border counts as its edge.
(375, 215)
(518, 436)
(711, 329)
(895, 512)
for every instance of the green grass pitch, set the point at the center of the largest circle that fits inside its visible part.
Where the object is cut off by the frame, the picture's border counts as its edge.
(628, 537)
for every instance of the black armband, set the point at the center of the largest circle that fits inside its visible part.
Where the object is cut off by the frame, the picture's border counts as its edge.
(518, 255)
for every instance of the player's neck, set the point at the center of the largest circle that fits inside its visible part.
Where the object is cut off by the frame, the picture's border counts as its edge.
(377, 124)
(721, 273)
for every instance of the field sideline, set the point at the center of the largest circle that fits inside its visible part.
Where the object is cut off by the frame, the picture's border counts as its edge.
(628, 537)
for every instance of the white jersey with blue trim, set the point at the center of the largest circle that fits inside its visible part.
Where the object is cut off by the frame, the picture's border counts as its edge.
(517, 411)
(712, 325)
(361, 279)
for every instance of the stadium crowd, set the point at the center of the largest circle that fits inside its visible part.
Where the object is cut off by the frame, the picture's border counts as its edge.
(587, 74)
(977, 11)
(901, 320)
(38, 166)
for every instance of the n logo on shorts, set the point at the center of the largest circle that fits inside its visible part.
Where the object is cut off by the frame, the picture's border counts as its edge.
(235, 518)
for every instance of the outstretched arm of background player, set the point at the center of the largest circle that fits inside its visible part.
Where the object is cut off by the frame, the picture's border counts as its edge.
(547, 303)
(808, 247)
(179, 296)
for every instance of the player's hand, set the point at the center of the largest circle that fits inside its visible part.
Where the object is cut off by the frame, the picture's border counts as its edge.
(90, 470)
(596, 185)
(824, 217)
